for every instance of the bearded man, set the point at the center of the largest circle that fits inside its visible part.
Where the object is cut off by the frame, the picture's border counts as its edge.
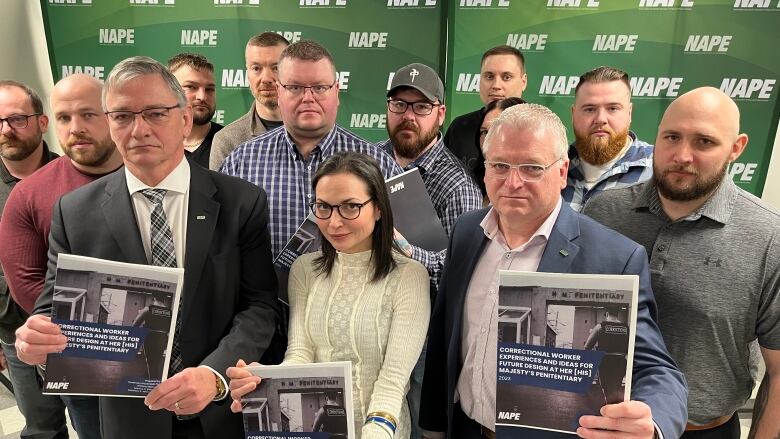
(605, 154)
(415, 113)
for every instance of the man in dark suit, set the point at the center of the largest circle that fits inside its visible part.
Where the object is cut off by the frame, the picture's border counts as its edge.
(161, 210)
(529, 228)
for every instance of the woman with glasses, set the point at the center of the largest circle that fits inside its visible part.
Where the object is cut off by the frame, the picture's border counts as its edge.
(358, 299)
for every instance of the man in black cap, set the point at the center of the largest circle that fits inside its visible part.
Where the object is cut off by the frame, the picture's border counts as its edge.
(415, 113)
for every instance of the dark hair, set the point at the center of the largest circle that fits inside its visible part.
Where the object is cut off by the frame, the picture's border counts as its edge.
(603, 74)
(35, 100)
(268, 39)
(504, 50)
(501, 104)
(191, 60)
(382, 243)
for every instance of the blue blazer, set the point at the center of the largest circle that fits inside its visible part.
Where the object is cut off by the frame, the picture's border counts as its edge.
(593, 249)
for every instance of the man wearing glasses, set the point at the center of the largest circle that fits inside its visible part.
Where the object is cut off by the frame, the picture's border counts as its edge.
(528, 228)
(161, 210)
(22, 152)
(415, 113)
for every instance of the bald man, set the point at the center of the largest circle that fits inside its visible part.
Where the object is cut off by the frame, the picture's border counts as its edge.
(82, 130)
(714, 260)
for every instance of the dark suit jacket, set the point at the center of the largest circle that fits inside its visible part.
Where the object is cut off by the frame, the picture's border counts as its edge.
(229, 291)
(592, 248)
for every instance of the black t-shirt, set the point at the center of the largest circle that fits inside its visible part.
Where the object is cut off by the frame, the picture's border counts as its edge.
(201, 155)
(462, 138)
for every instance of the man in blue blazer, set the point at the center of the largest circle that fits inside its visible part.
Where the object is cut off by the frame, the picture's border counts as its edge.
(529, 228)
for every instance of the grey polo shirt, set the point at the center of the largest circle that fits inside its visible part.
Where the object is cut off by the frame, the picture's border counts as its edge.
(716, 276)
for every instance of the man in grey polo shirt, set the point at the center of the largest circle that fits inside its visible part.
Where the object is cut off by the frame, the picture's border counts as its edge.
(714, 261)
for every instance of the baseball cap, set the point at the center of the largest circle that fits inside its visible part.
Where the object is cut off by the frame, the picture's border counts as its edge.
(421, 78)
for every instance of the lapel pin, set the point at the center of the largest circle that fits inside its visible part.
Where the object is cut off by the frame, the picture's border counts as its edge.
(200, 217)
(564, 253)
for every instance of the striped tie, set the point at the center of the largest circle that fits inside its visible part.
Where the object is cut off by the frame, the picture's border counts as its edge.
(164, 255)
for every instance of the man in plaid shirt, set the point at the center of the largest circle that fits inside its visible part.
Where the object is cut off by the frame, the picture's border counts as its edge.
(605, 154)
(415, 113)
(283, 161)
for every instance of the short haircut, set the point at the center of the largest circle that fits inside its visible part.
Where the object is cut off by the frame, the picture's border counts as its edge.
(504, 50)
(131, 68)
(268, 39)
(604, 74)
(501, 104)
(307, 50)
(532, 117)
(192, 60)
(35, 99)
(383, 244)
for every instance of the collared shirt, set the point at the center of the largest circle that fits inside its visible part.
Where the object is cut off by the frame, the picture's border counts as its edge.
(716, 278)
(175, 206)
(635, 166)
(476, 386)
(452, 191)
(272, 161)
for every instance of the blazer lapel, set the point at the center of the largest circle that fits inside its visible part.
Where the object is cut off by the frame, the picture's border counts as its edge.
(120, 218)
(202, 215)
(561, 251)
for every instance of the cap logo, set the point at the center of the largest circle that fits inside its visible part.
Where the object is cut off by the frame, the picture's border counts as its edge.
(413, 74)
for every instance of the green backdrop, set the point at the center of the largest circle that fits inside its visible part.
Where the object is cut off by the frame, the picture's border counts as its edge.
(667, 46)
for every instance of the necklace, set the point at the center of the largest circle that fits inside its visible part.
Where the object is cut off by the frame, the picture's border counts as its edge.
(199, 141)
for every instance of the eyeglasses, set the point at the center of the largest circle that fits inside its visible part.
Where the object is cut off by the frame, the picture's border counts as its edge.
(348, 211)
(17, 121)
(299, 90)
(419, 108)
(529, 173)
(153, 116)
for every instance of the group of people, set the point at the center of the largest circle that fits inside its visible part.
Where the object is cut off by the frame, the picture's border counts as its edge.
(418, 326)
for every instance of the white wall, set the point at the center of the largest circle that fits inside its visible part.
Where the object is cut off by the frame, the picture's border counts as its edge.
(772, 185)
(24, 52)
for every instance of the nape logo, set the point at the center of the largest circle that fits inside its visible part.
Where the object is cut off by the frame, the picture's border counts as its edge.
(392, 4)
(368, 121)
(116, 36)
(553, 4)
(153, 2)
(70, 2)
(553, 85)
(467, 83)
(653, 87)
(666, 4)
(614, 43)
(746, 88)
(199, 37)
(367, 40)
(322, 3)
(236, 2)
(745, 171)
(98, 72)
(527, 42)
(484, 4)
(343, 79)
(290, 36)
(234, 78)
(755, 4)
(707, 43)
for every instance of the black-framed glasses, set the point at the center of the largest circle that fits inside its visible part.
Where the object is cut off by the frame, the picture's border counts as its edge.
(299, 90)
(152, 116)
(17, 121)
(348, 211)
(528, 172)
(399, 106)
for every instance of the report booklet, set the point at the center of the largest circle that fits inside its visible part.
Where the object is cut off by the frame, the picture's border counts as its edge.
(119, 319)
(565, 348)
(300, 401)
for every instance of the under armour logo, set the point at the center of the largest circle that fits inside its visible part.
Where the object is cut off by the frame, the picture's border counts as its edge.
(413, 74)
(707, 261)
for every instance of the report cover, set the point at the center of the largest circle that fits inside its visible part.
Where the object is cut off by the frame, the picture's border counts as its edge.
(300, 401)
(119, 319)
(565, 348)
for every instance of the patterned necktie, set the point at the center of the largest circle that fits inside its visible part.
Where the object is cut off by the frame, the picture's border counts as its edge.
(164, 255)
